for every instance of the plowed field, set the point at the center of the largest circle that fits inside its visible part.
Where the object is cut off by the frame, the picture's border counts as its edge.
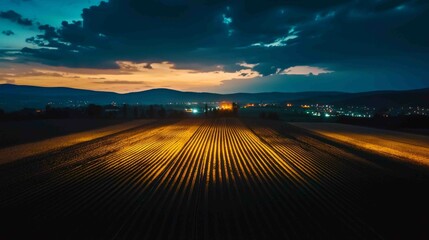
(212, 179)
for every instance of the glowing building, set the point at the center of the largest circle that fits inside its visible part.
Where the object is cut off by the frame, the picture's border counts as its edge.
(226, 106)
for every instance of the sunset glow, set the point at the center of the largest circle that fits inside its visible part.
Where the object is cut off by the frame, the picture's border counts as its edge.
(129, 77)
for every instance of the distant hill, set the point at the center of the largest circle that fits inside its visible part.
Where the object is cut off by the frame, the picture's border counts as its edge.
(418, 97)
(168, 95)
(15, 97)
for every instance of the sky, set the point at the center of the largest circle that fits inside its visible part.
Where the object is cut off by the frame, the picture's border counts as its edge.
(216, 45)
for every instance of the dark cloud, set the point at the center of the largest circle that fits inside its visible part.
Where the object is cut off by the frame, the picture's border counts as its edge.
(69, 37)
(8, 32)
(15, 17)
(204, 35)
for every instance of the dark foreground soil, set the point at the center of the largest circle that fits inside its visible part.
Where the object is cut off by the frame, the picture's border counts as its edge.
(213, 179)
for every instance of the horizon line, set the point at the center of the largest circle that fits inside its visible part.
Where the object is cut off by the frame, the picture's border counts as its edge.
(186, 91)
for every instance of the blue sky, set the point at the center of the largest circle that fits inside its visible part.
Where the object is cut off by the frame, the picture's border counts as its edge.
(51, 12)
(216, 45)
(48, 11)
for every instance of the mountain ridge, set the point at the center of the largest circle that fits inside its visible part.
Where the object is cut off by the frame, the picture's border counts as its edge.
(15, 97)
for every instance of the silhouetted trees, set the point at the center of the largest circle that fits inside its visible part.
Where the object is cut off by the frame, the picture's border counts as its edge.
(150, 112)
(55, 113)
(136, 112)
(162, 113)
(269, 115)
(235, 108)
(94, 111)
(125, 110)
